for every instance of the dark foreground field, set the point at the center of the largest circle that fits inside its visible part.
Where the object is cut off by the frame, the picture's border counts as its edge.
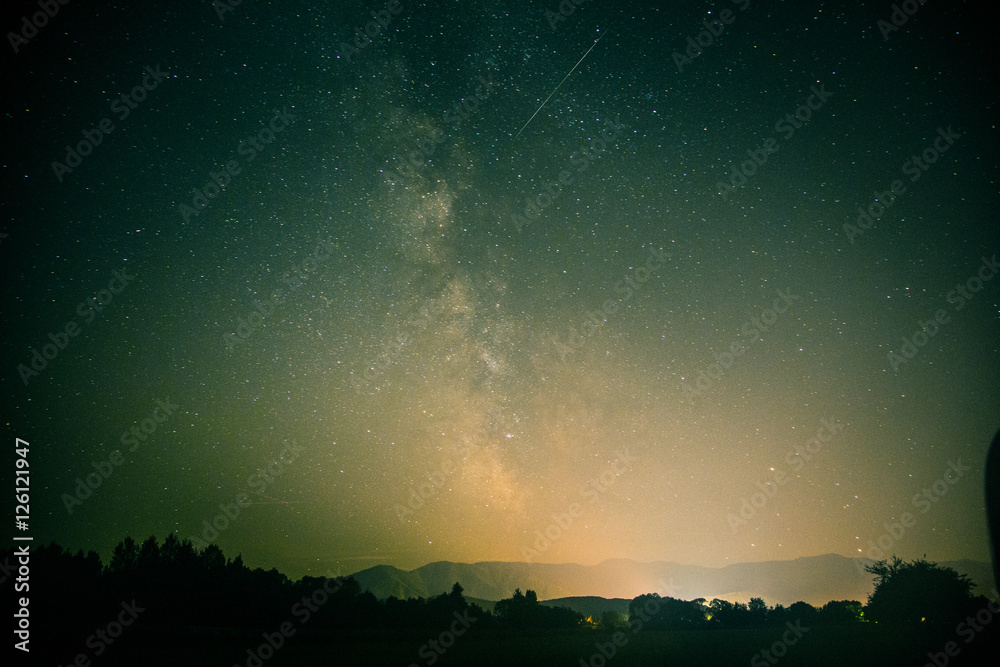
(856, 645)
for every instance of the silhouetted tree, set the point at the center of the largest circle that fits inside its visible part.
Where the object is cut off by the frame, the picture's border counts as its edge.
(802, 611)
(522, 610)
(918, 592)
(124, 556)
(212, 558)
(721, 611)
(515, 611)
(757, 611)
(777, 615)
(842, 611)
(674, 613)
(442, 608)
(170, 550)
(148, 558)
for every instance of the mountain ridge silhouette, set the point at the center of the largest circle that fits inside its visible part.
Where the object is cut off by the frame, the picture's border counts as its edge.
(812, 579)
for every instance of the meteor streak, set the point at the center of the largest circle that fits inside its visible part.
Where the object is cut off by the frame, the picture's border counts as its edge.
(557, 87)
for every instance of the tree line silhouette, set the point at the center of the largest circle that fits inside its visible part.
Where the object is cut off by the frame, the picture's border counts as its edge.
(180, 586)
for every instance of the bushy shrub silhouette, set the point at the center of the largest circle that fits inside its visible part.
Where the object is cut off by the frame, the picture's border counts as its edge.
(918, 592)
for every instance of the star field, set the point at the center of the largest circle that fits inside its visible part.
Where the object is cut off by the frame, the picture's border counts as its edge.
(409, 334)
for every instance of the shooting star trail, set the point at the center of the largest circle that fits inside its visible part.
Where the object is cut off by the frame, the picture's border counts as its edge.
(560, 84)
(277, 501)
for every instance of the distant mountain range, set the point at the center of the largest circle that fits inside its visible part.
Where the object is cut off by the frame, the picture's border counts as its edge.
(815, 579)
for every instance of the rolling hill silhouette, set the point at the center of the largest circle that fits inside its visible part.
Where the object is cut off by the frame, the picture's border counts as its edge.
(815, 579)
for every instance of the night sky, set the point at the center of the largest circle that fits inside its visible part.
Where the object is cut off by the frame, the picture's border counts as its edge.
(348, 293)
